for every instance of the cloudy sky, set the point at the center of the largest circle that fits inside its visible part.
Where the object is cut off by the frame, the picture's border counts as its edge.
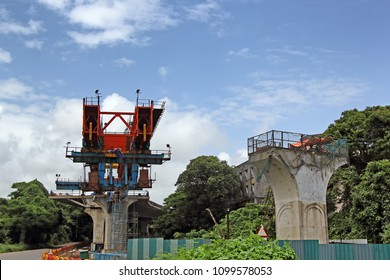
(228, 70)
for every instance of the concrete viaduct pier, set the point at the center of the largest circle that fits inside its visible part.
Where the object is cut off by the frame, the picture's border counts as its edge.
(298, 168)
(114, 222)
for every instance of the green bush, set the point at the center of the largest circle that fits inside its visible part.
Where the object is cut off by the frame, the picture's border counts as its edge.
(250, 248)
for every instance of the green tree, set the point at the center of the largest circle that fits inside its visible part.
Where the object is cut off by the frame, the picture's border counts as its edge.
(243, 222)
(371, 201)
(339, 202)
(33, 217)
(367, 133)
(385, 235)
(30, 217)
(4, 218)
(368, 136)
(207, 182)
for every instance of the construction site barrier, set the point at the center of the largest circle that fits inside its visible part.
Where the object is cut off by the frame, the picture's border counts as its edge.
(149, 248)
(107, 256)
(67, 252)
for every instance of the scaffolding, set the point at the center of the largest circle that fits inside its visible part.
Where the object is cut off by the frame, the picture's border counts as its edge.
(132, 229)
(118, 240)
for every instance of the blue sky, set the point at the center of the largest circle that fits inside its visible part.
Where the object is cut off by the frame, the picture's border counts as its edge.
(228, 69)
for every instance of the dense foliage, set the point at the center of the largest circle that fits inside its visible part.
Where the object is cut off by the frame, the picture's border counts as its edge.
(242, 223)
(30, 217)
(207, 182)
(250, 248)
(367, 133)
(358, 194)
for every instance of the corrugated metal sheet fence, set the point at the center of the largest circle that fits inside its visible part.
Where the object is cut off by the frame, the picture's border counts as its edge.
(312, 250)
(149, 248)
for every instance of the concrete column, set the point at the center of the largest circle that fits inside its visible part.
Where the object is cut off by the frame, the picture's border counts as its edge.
(97, 216)
(107, 218)
(299, 180)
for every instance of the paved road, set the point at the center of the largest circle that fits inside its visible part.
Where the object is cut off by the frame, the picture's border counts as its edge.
(29, 254)
(24, 255)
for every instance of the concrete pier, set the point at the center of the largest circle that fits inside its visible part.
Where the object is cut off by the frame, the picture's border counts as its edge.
(115, 223)
(299, 179)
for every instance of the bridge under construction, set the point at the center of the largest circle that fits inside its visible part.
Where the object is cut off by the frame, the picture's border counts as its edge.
(117, 161)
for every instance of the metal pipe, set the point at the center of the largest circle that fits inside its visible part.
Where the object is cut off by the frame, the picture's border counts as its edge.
(126, 175)
(111, 179)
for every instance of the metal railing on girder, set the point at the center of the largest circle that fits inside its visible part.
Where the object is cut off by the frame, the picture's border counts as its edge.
(297, 141)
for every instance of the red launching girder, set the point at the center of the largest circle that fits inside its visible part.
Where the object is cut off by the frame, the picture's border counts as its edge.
(138, 130)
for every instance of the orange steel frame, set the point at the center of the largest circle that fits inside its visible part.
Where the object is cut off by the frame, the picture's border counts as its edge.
(96, 133)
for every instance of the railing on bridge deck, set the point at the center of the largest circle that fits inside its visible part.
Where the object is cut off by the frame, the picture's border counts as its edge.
(297, 141)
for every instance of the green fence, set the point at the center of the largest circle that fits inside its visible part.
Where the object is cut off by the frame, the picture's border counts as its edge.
(149, 248)
(312, 250)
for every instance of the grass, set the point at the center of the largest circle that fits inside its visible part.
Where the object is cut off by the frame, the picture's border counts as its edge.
(5, 248)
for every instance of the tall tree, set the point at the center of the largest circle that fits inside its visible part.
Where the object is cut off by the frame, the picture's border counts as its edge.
(367, 133)
(4, 218)
(30, 217)
(33, 217)
(368, 136)
(371, 201)
(207, 182)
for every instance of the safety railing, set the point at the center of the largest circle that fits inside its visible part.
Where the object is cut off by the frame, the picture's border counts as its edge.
(91, 100)
(70, 152)
(149, 103)
(297, 141)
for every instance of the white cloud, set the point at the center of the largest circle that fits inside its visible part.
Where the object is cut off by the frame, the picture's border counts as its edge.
(268, 99)
(34, 44)
(203, 11)
(190, 133)
(124, 62)
(33, 27)
(240, 156)
(288, 50)
(32, 141)
(244, 52)
(224, 156)
(14, 89)
(5, 57)
(56, 4)
(208, 12)
(163, 72)
(111, 22)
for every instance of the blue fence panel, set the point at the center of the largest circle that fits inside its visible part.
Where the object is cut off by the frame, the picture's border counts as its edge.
(107, 256)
